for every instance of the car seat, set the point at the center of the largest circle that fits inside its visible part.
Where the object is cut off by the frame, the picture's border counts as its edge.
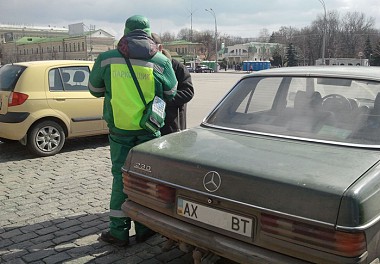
(78, 79)
(308, 115)
(66, 78)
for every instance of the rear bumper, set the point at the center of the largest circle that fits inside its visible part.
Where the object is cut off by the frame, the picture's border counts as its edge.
(14, 117)
(14, 125)
(220, 245)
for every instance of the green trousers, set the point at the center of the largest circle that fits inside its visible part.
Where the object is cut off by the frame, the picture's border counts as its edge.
(120, 224)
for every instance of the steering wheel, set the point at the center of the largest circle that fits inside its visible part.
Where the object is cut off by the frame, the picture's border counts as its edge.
(335, 103)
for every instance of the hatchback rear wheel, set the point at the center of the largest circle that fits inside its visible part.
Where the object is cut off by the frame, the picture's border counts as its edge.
(46, 138)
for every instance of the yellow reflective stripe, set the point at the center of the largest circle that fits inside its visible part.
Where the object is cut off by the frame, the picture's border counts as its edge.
(117, 213)
(96, 89)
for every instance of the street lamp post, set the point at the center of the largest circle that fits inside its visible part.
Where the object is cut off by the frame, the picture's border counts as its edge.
(324, 32)
(211, 11)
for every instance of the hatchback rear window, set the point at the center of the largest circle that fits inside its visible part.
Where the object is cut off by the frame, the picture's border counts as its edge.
(9, 75)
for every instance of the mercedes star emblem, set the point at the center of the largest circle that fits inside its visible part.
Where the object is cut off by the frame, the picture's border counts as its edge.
(212, 181)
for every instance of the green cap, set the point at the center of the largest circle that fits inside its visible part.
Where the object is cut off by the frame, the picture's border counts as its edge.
(137, 22)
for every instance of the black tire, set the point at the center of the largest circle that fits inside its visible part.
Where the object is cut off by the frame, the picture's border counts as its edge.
(46, 138)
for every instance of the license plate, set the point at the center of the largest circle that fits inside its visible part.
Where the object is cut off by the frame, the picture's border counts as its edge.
(227, 221)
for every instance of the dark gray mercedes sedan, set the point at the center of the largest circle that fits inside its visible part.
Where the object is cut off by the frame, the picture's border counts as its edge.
(285, 169)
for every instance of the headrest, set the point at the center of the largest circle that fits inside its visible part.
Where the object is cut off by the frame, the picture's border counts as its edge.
(301, 101)
(79, 76)
(66, 76)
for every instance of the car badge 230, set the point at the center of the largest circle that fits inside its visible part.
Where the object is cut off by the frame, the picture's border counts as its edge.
(142, 166)
(212, 181)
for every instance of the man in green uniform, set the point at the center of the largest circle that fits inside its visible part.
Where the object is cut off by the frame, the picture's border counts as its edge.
(123, 109)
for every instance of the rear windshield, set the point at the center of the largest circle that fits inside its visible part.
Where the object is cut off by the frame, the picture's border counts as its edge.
(9, 75)
(344, 111)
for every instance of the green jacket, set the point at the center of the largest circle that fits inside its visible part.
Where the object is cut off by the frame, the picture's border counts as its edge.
(110, 78)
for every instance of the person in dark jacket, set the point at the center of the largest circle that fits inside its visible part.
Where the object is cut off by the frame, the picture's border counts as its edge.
(175, 119)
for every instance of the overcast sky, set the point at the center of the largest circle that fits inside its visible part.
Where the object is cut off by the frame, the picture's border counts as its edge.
(245, 18)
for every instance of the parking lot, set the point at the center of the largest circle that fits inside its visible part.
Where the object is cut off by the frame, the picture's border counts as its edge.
(54, 208)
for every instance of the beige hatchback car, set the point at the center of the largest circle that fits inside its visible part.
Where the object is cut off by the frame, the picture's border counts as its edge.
(42, 103)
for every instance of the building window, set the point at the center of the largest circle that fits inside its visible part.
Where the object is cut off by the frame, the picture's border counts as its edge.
(70, 47)
(83, 46)
(78, 46)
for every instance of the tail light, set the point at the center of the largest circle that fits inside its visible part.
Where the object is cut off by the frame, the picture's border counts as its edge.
(16, 98)
(329, 240)
(151, 189)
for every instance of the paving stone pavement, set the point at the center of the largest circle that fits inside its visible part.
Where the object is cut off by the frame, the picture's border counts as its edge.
(52, 209)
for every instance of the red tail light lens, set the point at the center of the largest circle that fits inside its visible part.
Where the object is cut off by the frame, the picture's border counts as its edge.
(329, 240)
(154, 190)
(16, 98)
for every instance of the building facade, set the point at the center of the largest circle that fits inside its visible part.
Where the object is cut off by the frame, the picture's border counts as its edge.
(9, 33)
(343, 61)
(252, 51)
(186, 51)
(32, 45)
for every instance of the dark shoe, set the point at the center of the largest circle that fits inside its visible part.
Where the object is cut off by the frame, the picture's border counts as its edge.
(144, 236)
(107, 237)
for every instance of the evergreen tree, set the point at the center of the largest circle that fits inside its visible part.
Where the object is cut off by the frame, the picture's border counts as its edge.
(368, 50)
(276, 57)
(291, 56)
(272, 38)
(376, 56)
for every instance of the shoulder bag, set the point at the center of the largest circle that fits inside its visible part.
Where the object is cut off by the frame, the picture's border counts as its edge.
(153, 118)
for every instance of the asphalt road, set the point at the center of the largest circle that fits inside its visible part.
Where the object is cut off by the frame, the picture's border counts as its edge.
(52, 209)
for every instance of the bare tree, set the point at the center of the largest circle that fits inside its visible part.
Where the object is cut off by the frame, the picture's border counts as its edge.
(207, 38)
(353, 32)
(167, 37)
(345, 36)
(264, 35)
(185, 34)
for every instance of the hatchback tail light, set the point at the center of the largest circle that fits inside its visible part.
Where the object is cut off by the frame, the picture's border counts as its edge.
(148, 188)
(329, 240)
(16, 98)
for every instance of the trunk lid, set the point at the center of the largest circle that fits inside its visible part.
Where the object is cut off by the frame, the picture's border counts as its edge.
(294, 177)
